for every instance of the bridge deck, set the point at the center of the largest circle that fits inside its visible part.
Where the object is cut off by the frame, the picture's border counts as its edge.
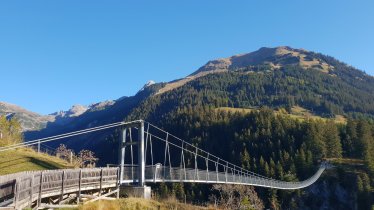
(168, 174)
(22, 189)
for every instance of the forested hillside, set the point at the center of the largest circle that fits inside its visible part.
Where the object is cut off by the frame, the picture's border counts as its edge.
(284, 148)
(270, 143)
(325, 95)
(277, 145)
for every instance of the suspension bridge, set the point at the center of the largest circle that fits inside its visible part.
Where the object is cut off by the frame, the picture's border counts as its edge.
(147, 154)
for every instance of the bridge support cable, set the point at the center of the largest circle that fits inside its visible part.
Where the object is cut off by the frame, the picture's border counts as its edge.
(182, 162)
(207, 168)
(196, 171)
(196, 154)
(232, 174)
(146, 144)
(67, 135)
(203, 152)
(131, 154)
(216, 164)
(150, 142)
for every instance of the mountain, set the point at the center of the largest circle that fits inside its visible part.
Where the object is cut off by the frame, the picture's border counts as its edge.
(29, 120)
(270, 59)
(280, 77)
(242, 109)
(94, 115)
(276, 58)
(273, 77)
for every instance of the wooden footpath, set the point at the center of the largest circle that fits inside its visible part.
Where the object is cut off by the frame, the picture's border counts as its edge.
(49, 188)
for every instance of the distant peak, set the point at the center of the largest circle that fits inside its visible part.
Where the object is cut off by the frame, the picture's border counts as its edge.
(77, 109)
(149, 83)
(74, 111)
(275, 57)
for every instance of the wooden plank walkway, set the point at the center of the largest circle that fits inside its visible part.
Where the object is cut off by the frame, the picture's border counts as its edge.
(27, 189)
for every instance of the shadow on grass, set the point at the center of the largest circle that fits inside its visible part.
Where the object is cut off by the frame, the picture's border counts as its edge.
(11, 162)
(45, 164)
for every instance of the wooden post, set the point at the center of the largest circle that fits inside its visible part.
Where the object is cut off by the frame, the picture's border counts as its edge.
(31, 188)
(62, 186)
(16, 193)
(71, 157)
(40, 189)
(79, 186)
(118, 181)
(101, 181)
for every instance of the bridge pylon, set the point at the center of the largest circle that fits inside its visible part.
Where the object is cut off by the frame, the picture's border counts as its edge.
(140, 190)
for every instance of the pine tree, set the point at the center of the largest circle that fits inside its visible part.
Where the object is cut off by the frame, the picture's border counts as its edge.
(314, 139)
(246, 160)
(350, 138)
(366, 147)
(262, 165)
(280, 171)
(363, 138)
(332, 140)
(272, 168)
(300, 162)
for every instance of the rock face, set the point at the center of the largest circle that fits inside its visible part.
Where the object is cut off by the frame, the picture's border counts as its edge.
(32, 121)
(274, 57)
(100, 105)
(74, 111)
(63, 117)
(29, 120)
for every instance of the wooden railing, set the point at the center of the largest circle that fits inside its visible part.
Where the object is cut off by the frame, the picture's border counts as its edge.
(27, 189)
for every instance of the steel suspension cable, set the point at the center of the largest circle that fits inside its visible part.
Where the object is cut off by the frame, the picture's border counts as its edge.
(224, 166)
(203, 151)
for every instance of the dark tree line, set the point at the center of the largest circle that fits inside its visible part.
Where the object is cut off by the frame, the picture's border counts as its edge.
(274, 145)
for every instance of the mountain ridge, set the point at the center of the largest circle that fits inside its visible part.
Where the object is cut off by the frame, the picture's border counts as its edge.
(263, 60)
(275, 58)
(197, 108)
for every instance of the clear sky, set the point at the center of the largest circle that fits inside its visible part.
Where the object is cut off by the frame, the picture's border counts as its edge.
(54, 54)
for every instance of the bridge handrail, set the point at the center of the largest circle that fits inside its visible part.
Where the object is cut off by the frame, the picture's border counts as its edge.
(23, 188)
(233, 166)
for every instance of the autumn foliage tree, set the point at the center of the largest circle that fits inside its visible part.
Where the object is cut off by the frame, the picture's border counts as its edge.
(236, 197)
(10, 131)
(84, 159)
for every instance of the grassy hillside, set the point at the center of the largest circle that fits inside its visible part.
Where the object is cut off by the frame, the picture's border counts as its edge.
(296, 112)
(28, 160)
(138, 203)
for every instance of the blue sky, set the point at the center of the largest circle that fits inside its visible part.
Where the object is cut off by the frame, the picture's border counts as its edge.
(54, 54)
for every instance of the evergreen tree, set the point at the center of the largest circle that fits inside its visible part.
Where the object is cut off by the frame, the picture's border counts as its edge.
(314, 139)
(280, 171)
(246, 160)
(350, 138)
(332, 140)
(365, 145)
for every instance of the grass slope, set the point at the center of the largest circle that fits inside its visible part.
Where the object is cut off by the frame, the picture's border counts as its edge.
(138, 203)
(297, 112)
(14, 161)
